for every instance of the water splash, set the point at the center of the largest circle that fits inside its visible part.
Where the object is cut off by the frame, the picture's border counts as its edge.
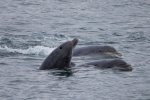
(36, 50)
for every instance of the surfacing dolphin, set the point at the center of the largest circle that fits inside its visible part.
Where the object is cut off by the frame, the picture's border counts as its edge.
(60, 58)
(116, 64)
(97, 50)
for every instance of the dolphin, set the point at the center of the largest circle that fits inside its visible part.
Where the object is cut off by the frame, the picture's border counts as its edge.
(60, 58)
(117, 64)
(96, 49)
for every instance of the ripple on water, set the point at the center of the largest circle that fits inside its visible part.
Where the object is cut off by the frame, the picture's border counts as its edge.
(136, 37)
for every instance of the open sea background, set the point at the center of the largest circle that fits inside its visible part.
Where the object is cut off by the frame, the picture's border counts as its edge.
(31, 29)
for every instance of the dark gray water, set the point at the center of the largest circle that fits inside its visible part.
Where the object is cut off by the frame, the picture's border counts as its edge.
(30, 29)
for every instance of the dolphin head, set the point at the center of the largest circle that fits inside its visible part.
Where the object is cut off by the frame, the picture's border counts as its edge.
(121, 65)
(63, 54)
(60, 57)
(110, 51)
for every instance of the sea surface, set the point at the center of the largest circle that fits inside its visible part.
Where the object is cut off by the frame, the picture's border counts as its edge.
(31, 29)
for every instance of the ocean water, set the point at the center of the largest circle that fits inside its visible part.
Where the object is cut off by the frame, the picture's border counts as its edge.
(31, 29)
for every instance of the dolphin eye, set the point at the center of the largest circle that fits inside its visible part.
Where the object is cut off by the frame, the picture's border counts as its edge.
(60, 47)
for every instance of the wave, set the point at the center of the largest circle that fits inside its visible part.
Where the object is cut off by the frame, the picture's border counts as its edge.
(36, 50)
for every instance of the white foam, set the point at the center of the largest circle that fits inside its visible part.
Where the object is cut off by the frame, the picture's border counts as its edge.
(36, 50)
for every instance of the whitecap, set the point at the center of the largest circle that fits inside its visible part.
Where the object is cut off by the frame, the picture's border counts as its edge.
(35, 50)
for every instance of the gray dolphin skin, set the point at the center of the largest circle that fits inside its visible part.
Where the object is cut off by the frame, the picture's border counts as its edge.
(88, 50)
(60, 57)
(116, 64)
